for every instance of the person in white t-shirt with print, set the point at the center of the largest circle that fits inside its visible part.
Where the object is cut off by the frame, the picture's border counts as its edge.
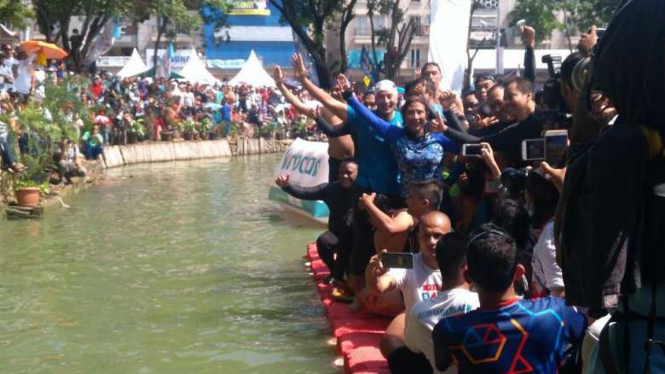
(453, 298)
(420, 283)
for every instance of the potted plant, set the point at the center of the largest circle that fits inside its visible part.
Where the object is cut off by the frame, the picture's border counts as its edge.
(269, 130)
(299, 128)
(42, 125)
(234, 129)
(36, 157)
(136, 131)
(204, 128)
(188, 128)
(172, 125)
(167, 136)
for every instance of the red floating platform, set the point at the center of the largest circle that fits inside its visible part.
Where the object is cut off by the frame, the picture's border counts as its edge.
(358, 334)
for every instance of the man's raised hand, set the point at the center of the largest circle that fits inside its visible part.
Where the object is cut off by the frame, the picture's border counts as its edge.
(282, 180)
(299, 68)
(277, 74)
(343, 83)
(366, 199)
(528, 36)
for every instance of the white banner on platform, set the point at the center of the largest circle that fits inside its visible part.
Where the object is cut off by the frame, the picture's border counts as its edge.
(449, 27)
(306, 163)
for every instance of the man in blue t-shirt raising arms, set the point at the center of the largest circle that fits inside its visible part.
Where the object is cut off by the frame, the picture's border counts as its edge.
(506, 334)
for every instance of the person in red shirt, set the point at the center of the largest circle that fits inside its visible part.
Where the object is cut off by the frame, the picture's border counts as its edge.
(96, 88)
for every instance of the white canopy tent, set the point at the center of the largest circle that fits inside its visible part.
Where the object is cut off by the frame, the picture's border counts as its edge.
(134, 66)
(252, 73)
(195, 71)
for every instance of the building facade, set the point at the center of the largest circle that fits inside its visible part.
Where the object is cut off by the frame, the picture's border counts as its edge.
(486, 17)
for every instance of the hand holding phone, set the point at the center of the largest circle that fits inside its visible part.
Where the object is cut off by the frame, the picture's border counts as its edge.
(392, 260)
(533, 149)
(556, 145)
(474, 150)
(375, 268)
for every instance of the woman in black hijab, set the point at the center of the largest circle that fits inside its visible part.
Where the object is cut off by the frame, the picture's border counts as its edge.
(611, 217)
(629, 63)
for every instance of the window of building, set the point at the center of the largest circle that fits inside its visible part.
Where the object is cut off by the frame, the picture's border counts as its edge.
(418, 25)
(415, 58)
(379, 22)
(362, 25)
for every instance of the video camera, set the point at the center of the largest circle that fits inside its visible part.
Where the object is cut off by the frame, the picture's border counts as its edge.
(552, 88)
(558, 113)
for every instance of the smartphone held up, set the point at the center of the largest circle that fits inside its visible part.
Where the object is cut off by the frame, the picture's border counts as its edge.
(475, 150)
(551, 149)
(392, 260)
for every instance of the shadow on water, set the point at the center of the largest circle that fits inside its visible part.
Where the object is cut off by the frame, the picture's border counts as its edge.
(165, 268)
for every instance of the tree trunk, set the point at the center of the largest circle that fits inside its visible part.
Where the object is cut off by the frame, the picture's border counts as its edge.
(396, 55)
(347, 17)
(161, 30)
(375, 59)
(323, 74)
(565, 21)
(313, 43)
(64, 35)
(43, 22)
(95, 29)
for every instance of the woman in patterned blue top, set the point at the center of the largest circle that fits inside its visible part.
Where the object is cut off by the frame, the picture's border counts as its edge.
(418, 152)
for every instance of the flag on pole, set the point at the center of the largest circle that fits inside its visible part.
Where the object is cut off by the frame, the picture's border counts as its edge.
(449, 18)
(165, 63)
(103, 42)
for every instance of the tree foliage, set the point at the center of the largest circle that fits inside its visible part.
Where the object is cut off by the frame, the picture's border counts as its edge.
(185, 16)
(585, 13)
(538, 14)
(14, 13)
(541, 14)
(175, 16)
(396, 38)
(54, 17)
(310, 20)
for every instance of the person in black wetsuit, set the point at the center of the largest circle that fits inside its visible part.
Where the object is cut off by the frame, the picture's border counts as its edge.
(341, 197)
(520, 105)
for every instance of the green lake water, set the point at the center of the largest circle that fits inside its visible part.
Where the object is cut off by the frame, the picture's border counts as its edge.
(165, 268)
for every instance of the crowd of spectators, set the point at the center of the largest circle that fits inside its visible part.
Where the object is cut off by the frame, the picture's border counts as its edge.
(512, 264)
(109, 110)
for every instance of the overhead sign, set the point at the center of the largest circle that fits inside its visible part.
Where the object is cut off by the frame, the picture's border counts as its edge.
(226, 64)
(248, 8)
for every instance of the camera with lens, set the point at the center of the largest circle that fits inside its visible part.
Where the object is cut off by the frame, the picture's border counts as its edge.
(558, 113)
(552, 88)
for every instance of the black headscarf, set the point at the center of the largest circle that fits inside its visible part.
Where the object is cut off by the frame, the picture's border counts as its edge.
(630, 63)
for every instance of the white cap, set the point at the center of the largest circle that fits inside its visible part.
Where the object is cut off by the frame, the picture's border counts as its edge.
(386, 86)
